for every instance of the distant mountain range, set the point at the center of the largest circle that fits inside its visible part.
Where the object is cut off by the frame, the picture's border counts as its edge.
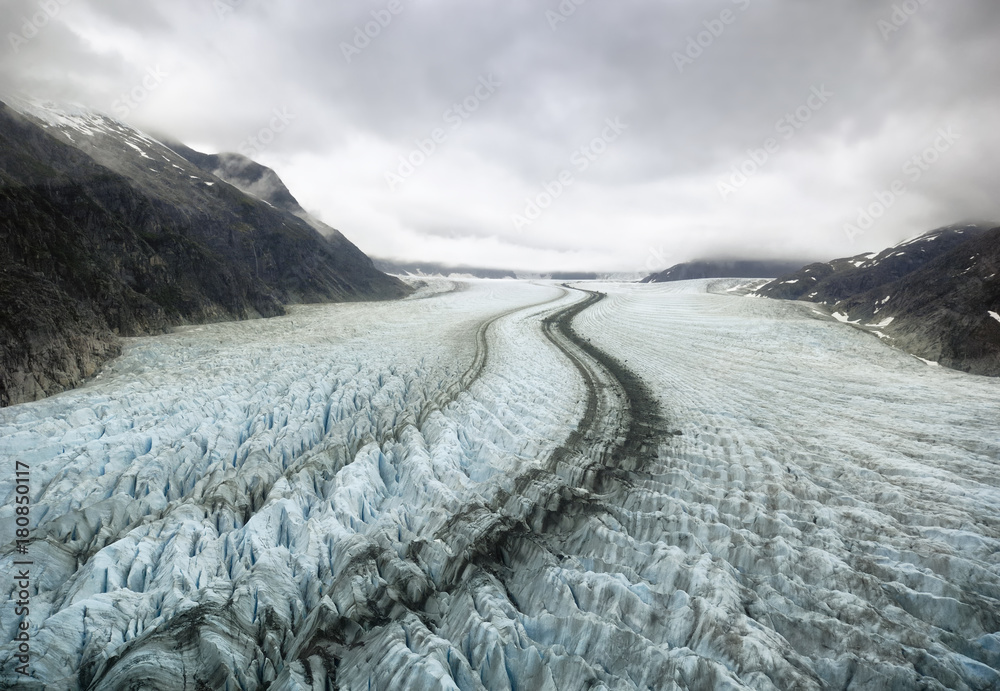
(444, 270)
(723, 269)
(107, 232)
(433, 269)
(936, 296)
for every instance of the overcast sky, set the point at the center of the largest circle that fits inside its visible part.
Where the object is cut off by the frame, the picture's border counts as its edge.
(599, 135)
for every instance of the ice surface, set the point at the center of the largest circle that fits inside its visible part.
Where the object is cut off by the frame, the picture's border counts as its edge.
(846, 496)
(363, 496)
(243, 465)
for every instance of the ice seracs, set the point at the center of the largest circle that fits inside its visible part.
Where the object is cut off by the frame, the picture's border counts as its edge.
(378, 496)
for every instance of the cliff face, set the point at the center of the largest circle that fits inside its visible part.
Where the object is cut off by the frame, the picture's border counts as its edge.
(49, 341)
(107, 232)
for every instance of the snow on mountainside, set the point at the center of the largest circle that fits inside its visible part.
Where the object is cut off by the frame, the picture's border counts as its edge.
(256, 180)
(830, 282)
(931, 295)
(943, 311)
(243, 173)
(107, 231)
(447, 492)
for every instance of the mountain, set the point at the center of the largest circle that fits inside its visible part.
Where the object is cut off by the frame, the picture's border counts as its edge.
(253, 179)
(243, 173)
(574, 276)
(109, 233)
(427, 269)
(723, 269)
(831, 282)
(433, 269)
(936, 296)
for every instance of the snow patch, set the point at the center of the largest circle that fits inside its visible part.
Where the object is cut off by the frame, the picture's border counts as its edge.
(884, 323)
(141, 152)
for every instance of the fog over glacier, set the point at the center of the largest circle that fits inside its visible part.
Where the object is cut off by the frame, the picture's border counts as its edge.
(462, 490)
(340, 97)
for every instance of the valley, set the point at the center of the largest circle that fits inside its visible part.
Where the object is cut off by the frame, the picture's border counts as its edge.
(506, 484)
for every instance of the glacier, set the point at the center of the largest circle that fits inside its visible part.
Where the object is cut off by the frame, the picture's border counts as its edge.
(512, 485)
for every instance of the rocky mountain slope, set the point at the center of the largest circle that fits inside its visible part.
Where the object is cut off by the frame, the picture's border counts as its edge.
(256, 180)
(108, 232)
(936, 296)
(242, 173)
(831, 282)
(723, 269)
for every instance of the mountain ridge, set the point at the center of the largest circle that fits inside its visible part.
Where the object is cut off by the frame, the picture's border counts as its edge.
(111, 233)
(723, 268)
(830, 282)
(933, 296)
(253, 179)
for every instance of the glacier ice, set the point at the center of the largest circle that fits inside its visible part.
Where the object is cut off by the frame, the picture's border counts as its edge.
(387, 496)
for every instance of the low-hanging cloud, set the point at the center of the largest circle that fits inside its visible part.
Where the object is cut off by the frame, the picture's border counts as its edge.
(702, 86)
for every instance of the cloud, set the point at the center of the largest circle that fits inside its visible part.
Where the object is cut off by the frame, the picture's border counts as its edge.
(701, 85)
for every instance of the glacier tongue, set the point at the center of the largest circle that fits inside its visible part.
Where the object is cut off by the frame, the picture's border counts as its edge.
(840, 498)
(210, 492)
(450, 492)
